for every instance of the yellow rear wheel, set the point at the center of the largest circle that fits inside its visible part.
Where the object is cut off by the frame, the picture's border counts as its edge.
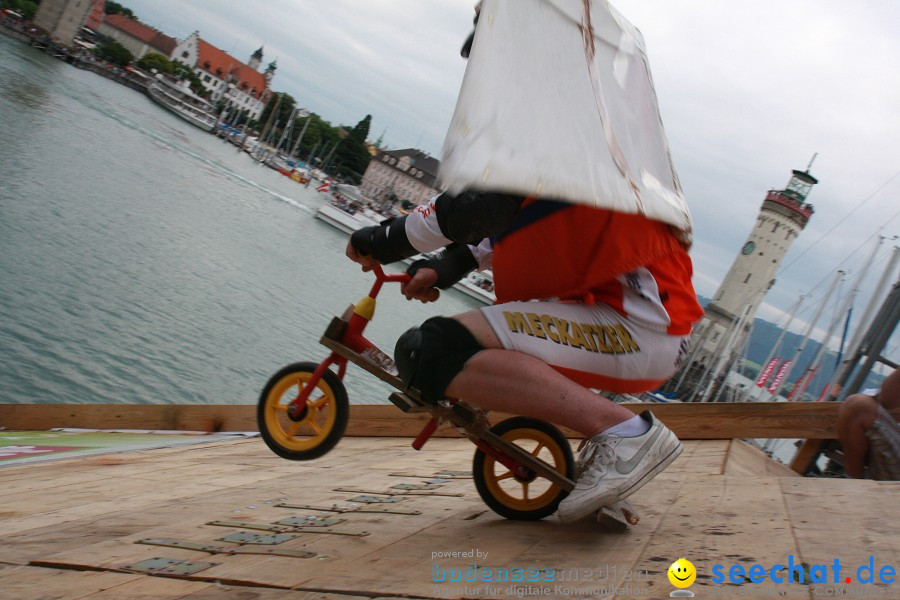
(317, 428)
(524, 497)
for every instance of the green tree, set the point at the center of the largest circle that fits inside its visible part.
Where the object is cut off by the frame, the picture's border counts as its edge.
(115, 53)
(155, 60)
(114, 8)
(182, 71)
(361, 131)
(352, 156)
(26, 8)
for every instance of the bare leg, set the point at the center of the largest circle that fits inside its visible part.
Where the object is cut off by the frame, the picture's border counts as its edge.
(857, 413)
(510, 381)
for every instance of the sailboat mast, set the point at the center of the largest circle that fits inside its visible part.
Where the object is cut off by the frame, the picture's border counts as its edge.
(287, 130)
(725, 355)
(839, 315)
(787, 371)
(784, 331)
(856, 341)
(300, 138)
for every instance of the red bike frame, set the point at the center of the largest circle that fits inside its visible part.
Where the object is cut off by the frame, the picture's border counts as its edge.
(352, 338)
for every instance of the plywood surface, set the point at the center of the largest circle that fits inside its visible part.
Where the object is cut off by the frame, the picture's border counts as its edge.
(80, 520)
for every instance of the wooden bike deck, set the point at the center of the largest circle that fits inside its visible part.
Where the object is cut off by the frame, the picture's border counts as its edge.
(72, 528)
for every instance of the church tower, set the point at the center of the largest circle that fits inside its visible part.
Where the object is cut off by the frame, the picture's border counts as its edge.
(270, 73)
(255, 59)
(729, 316)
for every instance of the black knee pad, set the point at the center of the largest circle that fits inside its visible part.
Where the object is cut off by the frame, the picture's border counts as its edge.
(429, 357)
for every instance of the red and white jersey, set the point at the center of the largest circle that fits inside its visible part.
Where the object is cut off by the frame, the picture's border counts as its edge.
(553, 249)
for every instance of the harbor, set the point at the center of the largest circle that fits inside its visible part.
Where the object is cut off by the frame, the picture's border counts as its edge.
(193, 284)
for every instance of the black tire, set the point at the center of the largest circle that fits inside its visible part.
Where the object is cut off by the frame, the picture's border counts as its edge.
(499, 496)
(321, 424)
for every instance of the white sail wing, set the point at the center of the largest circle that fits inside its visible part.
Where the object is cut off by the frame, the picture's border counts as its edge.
(557, 101)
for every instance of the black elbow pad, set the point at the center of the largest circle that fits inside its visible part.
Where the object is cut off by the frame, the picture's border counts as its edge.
(473, 216)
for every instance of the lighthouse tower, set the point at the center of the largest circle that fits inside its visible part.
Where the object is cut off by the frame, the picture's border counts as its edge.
(729, 316)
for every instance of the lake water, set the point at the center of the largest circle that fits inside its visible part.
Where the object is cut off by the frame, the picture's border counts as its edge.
(143, 260)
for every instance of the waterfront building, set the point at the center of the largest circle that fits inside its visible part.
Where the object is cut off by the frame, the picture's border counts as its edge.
(137, 37)
(729, 316)
(229, 80)
(398, 175)
(61, 20)
(95, 15)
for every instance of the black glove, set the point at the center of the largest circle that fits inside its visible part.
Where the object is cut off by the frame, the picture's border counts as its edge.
(386, 243)
(452, 264)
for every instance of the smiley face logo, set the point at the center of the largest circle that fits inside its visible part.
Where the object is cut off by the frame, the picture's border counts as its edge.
(682, 573)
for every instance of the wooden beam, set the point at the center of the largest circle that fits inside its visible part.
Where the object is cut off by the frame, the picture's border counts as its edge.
(808, 420)
(185, 417)
(806, 455)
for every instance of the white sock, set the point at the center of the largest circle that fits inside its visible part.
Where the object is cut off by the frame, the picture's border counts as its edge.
(632, 427)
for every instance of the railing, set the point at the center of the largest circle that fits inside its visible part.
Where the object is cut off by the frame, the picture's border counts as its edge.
(779, 197)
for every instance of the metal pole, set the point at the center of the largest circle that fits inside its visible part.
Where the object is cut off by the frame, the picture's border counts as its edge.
(299, 139)
(729, 348)
(809, 330)
(702, 383)
(784, 332)
(882, 328)
(287, 129)
(851, 357)
(839, 315)
(312, 154)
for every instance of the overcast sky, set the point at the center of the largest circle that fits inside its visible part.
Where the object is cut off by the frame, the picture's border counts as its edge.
(748, 91)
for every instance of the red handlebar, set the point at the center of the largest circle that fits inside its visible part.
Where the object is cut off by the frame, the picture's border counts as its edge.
(382, 276)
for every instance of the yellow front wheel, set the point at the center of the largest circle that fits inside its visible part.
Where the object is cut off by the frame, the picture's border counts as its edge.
(317, 428)
(524, 496)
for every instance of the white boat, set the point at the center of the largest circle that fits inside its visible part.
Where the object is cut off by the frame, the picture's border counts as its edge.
(478, 284)
(178, 98)
(346, 218)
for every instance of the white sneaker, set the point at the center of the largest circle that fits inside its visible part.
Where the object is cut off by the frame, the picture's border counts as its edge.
(612, 468)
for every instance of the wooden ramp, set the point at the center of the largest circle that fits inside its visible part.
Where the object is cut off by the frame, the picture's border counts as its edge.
(78, 528)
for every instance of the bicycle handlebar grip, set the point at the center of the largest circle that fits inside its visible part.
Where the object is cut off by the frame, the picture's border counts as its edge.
(399, 277)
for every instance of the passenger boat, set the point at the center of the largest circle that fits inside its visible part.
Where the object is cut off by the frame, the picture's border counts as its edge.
(178, 98)
(346, 217)
(479, 285)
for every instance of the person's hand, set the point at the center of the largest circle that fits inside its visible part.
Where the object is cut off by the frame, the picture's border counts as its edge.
(367, 262)
(421, 286)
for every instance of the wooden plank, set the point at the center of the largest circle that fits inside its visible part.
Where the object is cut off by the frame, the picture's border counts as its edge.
(356, 462)
(744, 459)
(408, 567)
(194, 417)
(809, 420)
(722, 520)
(701, 457)
(805, 456)
(850, 520)
(27, 583)
(689, 510)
